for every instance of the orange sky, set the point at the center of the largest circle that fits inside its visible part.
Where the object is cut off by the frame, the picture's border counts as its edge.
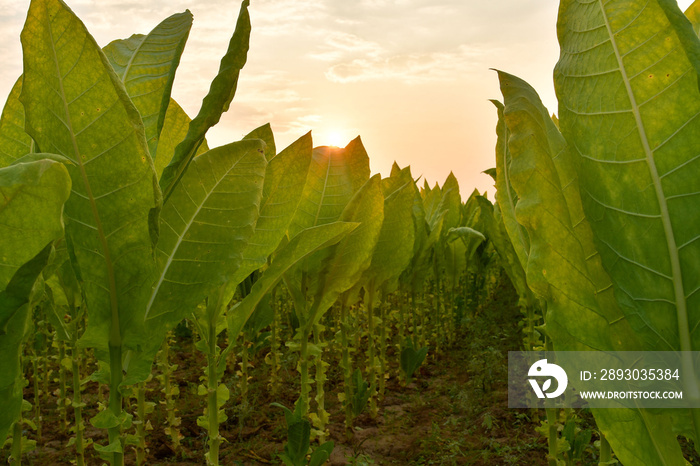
(411, 77)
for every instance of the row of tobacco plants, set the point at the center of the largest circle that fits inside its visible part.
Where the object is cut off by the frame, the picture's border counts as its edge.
(598, 208)
(119, 223)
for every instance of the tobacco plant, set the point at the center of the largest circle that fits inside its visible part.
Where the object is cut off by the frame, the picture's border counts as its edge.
(613, 194)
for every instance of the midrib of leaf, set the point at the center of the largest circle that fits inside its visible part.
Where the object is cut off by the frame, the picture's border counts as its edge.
(166, 267)
(676, 272)
(127, 68)
(325, 186)
(509, 189)
(115, 332)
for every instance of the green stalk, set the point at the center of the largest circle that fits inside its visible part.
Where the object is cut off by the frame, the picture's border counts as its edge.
(605, 451)
(320, 392)
(423, 324)
(62, 386)
(244, 370)
(346, 363)
(552, 438)
(302, 304)
(274, 337)
(414, 319)
(401, 298)
(77, 404)
(16, 452)
(382, 350)
(172, 421)
(141, 426)
(115, 399)
(439, 320)
(371, 370)
(37, 405)
(213, 406)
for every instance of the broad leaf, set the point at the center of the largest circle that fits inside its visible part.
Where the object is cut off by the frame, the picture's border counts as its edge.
(14, 142)
(639, 170)
(562, 267)
(31, 204)
(636, 136)
(349, 259)
(301, 246)
(216, 102)
(77, 107)
(174, 130)
(206, 225)
(285, 178)
(146, 65)
(505, 195)
(264, 133)
(496, 233)
(334, 176)
(394, 249)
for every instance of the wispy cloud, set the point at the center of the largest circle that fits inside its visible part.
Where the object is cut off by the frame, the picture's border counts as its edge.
(408, 68)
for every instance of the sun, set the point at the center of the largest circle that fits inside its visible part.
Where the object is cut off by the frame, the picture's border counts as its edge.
(335, 138)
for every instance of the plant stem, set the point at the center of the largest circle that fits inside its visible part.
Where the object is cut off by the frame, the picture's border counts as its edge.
(320, 381)
(16, 454)
(304, 370)
(346, 364)
(382, 349)
(371, 368)
(37, 398)
(169, 392)
(115, 400)
(141, 426)
(212, 382)
(552, 438)
(77, 405)
(62, 386)
(274, 337)
(605, 452)
(244, 369)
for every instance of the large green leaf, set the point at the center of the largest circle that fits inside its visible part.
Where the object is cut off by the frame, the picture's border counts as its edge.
(285, 178)
(349, 259)
(334, 177)
(174, 130)
(302, 245)
(77, 107)
(264, 133)
(31, 204)
(14, 142)
(562, 269)
(557, 267)
(216, 102)
(206, 225)
(505, 194)
(495, 230)
(693, 14)
(451, 202)
(636, 133)
(394, 249)
(146, 65)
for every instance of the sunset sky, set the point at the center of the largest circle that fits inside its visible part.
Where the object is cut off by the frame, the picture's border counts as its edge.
(411, 77)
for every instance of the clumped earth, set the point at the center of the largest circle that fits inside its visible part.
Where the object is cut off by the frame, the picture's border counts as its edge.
(455, 412)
